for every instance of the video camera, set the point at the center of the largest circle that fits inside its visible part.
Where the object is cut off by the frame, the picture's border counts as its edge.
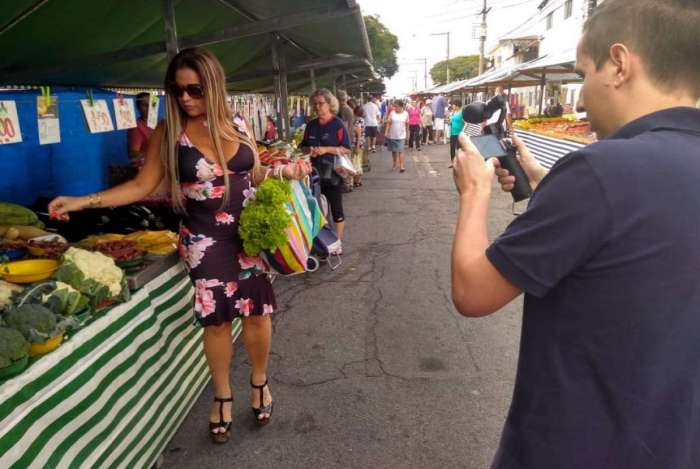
(495, 144)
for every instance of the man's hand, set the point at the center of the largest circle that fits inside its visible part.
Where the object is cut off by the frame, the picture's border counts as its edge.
(471, 172)
(534, 170)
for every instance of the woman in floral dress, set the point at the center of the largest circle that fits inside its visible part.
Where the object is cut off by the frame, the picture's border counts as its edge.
(190, 149)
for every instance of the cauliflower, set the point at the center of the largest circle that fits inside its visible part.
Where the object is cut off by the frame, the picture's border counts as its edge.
(6, 292)
(13, 346)
(96, 266)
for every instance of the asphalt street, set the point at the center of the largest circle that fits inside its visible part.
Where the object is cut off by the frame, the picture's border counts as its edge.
(371, 366)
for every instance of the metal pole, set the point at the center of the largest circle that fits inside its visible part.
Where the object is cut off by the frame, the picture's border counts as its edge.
(425, 73)
(482, 38)
(542, 83)
(168, 11)
(280, 84)
(448, 56)
(312, 74)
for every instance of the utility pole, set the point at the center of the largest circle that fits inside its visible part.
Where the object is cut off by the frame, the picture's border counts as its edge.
(484, 12)
(447, 64)
(425, 73)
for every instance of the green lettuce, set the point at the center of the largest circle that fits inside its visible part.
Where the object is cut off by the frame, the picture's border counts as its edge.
(265, 218)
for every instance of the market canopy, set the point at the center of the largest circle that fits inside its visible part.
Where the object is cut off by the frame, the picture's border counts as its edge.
(123, 43)
(557, 67)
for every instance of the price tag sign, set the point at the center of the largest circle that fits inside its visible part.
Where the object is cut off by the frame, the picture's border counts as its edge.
(9, 123)
(97, 115)
(153, 104)
(125, 114)
(47, 120)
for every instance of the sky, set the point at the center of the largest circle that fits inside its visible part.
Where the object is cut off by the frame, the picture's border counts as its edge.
(414, 22)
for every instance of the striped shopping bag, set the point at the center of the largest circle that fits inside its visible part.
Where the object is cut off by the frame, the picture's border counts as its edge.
(307, 221)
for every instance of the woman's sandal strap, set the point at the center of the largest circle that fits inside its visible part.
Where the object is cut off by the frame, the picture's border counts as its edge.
(219, 399)
(258, 386)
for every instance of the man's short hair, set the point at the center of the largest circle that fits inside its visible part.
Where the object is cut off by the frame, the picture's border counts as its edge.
(663, 32)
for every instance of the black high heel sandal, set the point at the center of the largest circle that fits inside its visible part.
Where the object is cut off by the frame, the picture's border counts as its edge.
(221, 437)
(262, 409)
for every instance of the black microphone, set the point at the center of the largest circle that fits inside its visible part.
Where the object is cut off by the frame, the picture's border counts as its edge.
(478, 112)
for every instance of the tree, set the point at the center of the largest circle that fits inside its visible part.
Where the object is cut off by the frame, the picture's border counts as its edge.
(384, 45)
(461, 68)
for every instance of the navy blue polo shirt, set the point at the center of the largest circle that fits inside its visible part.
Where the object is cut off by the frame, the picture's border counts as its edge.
(330, 134)
(608, 255)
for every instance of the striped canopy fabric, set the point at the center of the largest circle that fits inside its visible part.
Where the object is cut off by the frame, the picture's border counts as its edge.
(547, 150)
(114, 393)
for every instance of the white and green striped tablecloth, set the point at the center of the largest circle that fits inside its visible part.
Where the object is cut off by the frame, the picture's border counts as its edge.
(115, 393)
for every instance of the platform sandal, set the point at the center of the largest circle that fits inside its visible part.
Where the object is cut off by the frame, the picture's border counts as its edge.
(262, 409)
(221, 437)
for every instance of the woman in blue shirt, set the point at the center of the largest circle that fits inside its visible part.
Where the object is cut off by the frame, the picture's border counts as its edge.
(325, 137)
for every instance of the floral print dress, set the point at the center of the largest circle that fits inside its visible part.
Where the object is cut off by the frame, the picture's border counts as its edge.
(228, 284)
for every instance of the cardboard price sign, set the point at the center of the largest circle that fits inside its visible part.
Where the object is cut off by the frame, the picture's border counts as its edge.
(153, 103)
(125, 114)
(47, 119)
(97, 115)
(9, 123)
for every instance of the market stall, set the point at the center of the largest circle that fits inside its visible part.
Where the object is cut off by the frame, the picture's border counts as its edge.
(92, 358)
(115, 392)
(551, 138)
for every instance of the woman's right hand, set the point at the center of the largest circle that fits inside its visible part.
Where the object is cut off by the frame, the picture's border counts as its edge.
(533, 169)
(60, 206)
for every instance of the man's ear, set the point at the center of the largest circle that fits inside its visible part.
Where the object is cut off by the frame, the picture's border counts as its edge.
(621, 61)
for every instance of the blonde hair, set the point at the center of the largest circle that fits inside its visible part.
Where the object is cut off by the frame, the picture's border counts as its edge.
(328, 96)
(219, 119)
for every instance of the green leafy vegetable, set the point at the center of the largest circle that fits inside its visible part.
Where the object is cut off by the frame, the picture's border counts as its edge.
(13, 346)
(265, 218)
(36, 322)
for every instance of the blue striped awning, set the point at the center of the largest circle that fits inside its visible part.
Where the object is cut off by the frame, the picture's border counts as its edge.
(547, 150)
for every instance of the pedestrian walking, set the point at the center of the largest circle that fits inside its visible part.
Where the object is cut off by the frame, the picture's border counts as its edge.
(372, 117)
(426, 113)
(439, 108)
(358, 147)
(396, 134)
(607, 255)
(190, 149)
(456, 126)
(414, 120)
(324, 138)
(345, 112)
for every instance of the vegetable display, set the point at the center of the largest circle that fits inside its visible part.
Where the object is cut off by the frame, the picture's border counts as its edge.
(13, 346)
(36, 322)
(93, 274)
(59, 297)
(265, 218)
(13, 214)
(7, 291)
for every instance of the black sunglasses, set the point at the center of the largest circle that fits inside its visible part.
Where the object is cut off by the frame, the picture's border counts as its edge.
(194, 91)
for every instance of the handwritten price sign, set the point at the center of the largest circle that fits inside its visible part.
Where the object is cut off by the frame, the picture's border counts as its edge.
(97, 115)
(124, 112)
(9, 123)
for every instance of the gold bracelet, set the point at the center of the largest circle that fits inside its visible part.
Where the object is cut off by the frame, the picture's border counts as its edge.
(95, 200)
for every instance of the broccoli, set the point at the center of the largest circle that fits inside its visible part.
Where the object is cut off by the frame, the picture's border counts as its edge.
(36, 323)
(13, 346)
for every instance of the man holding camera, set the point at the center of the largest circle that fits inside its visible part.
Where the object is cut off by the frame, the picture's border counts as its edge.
(608, 256)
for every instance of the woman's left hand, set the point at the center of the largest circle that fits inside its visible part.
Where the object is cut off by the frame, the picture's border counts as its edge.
(297, 170)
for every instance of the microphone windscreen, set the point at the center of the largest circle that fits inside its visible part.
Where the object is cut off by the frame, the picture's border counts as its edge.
(474, 113)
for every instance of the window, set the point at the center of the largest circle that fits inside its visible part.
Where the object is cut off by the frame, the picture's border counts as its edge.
(550, 17)
(568, 8)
